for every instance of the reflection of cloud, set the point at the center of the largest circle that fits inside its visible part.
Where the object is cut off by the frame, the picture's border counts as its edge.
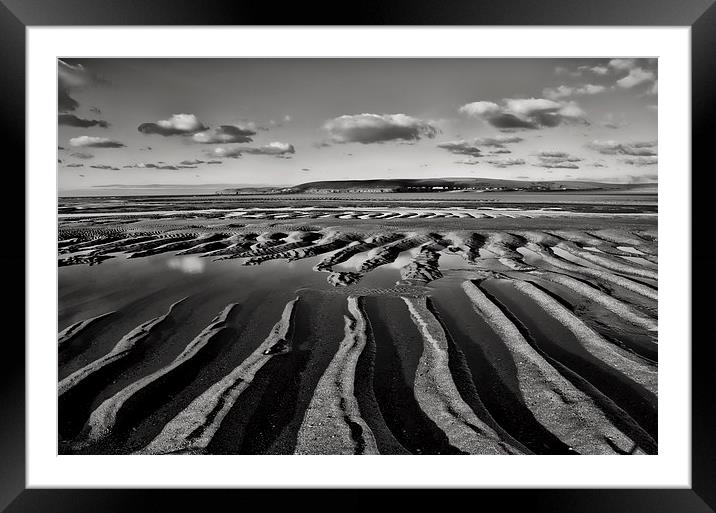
(188, 264)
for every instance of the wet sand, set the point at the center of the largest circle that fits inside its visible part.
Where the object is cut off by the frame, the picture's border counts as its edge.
(411, 326)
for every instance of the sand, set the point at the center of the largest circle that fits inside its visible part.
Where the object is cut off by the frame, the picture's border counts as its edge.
(380, 268)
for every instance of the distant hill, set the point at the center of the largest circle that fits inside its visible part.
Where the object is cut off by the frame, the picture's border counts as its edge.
(429, 185)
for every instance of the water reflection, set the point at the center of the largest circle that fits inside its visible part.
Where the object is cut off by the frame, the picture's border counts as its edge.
(187, 264)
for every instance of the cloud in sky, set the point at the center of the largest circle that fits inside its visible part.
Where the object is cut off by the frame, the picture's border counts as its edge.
(104, 166)
(75, 165)
(525, 113)
(177, 124)
(461, 148)
(497, 141)
(622, 64)
(225, 134)
(72, 78)
(557, 159)
(643, 148)
(635, 77)
(374, 128)
(72, 120)
(86, 141)
(564, 91)
(82, 155)
(273, 148)
(506, 162)
(143, 165)
(641, 161)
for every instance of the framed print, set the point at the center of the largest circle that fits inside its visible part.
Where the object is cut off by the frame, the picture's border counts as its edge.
(424, 250)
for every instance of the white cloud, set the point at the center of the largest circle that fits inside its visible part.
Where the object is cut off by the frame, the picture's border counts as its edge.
(177, 124)
(622, 64)
(86, 141)
(372, 128)
(564, 91)
(635, 77)
(530, 113)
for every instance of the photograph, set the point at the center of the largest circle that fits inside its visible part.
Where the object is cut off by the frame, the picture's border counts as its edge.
(357, 256)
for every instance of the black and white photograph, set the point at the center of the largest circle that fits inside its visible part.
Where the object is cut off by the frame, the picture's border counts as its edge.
(357, 256)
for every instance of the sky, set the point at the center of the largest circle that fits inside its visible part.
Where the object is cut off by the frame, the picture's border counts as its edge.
(274, 122)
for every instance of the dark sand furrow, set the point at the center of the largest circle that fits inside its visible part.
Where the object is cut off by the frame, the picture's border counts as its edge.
(158, 240)
(610, 263)
(333, 423)
(424, 267)
(586, 240)
(82, 260)
(555, 403)
(614, 305)
(104, 417)
(331, 243)
(628, 364)
(623, 238)
(468, 245)
(551, 259)
(389, 252)
(354, 248)
(69, 334)
(438, 396)
(178, 245)
(109, 247)
(122, 349)
(94, 240)
(193, 429)
(503, 244)
(631, 407)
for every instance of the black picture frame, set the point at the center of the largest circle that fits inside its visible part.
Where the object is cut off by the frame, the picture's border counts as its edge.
(17, 15)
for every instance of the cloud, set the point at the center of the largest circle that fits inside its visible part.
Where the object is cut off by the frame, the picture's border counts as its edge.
(142, 165)
(72, 78)
(72, 120)
(557, 159)
(177, 124)
(86, 141)
(645, 148)
(559, 165)
(635, 77)
(74, 165)
(526, 113)
(502, 163)
(82, 155)
(192, 162)
(213, 162)
(375, 128)
(461, 148)
(105, 166)
(274, 148)
(641, 161)
(497, 141)
(597, 70)
(499, 151)
(225, 134)
(622, 64)
(563, 91)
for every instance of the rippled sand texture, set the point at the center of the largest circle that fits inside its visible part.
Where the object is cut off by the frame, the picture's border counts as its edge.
(422, 340)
